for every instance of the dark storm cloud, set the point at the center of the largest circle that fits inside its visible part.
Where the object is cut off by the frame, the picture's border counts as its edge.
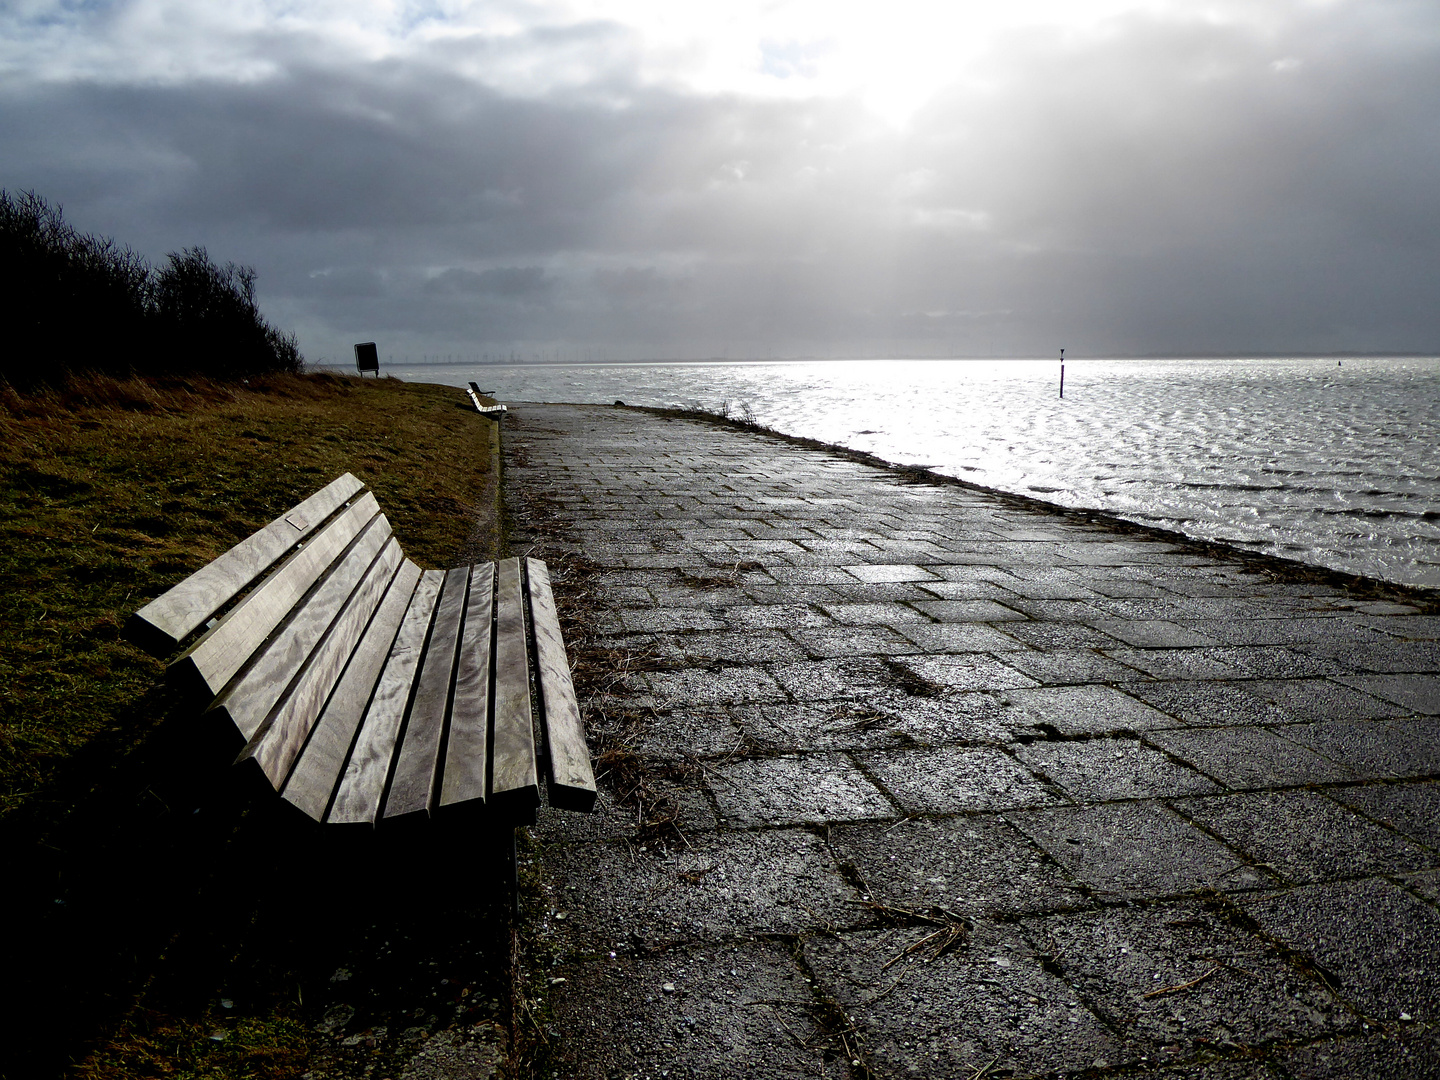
(1168, 185)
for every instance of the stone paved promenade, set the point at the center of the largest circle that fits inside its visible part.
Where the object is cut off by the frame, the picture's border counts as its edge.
(970, 789)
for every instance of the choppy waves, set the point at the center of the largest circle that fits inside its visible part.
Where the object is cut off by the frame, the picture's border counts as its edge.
(1336, 465)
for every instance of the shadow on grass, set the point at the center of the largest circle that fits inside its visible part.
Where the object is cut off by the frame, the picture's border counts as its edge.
(177, 923)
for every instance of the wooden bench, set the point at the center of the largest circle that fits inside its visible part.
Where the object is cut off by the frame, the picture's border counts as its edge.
(367, 691)
(494, 412)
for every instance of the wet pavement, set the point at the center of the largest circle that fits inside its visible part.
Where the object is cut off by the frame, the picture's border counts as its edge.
(912, 780)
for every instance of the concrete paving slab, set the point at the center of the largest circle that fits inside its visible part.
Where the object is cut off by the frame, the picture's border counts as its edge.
(735, 646)
(1415, 693)
(1250, 757)
(1105, 769)
(1412, 1053)
(1412, 810)
(717, 888)
(1150, 633)
(1136, 849)
(1208, 704)
(1373, 749)
(1376, 945)
(1084, 710)
(958, 638)
(1069, 667)
(1304, 837)
(1183, 978)
(670, 734)
(722, 686)
(831, 642)
(1174, 663)
(967, 611)
(813, 788)
(872, 573)
(1276, 662)
(742, 1010)
(951, 780)
(966, 672)
(972, 865)
(988, 1004)
(1317, 699)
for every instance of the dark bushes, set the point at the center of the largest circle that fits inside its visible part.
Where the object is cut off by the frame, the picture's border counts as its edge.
(71, 303)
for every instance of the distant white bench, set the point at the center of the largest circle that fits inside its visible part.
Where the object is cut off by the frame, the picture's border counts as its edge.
(494, 412)
(367, 691)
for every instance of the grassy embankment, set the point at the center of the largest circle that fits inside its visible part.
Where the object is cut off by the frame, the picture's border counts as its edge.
(135, 914)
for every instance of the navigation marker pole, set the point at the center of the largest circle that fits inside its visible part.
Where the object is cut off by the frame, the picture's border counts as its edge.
(1062, 373)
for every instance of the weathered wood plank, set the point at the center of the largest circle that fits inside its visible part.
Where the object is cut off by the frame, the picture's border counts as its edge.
(571, 778)
(277, 741)
(312, 782)
(363, 784)
(468, 741)
(213, 660)
(513, 782)
(264, 683)
(162, 624)
(417, 768)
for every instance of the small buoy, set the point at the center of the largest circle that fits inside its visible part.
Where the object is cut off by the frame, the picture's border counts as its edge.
(619, 402)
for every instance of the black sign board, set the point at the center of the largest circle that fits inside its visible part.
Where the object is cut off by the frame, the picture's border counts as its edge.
(366, 358)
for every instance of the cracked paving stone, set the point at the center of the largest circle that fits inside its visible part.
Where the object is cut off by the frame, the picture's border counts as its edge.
(1241, 991)
(791, 790)
(968, 611)
(891, 718)
(988, 1003)
(734, 1010)
(1304, 837)
(1377, 944)
(951, 780)
(1102, 769)
(1084, 710)
(973, 865)
(1138, 849)
(724, 886)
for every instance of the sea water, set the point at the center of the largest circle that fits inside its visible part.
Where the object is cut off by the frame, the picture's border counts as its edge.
(1334, 461)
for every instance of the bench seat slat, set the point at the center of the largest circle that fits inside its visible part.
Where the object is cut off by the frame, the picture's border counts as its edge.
(265, 681)
(162, 624)
(363, 783)
(416, 769)
(513, 782)
(468, 741)
(275, 748)
(312, 782)
(215, 658)
(571, 778)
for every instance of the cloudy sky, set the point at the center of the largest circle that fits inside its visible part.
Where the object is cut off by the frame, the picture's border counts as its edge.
(678, 178)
